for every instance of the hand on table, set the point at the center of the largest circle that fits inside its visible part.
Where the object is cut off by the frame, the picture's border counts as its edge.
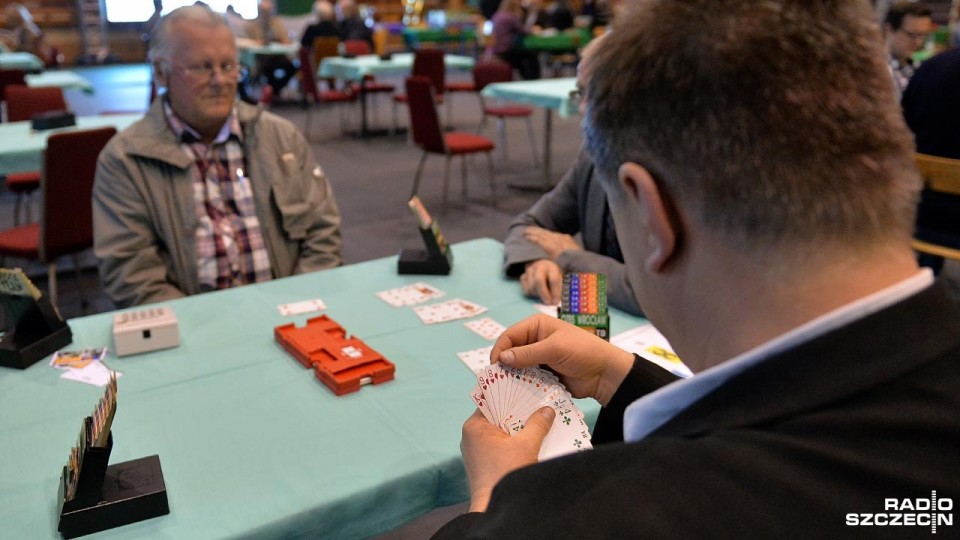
(489, 453)
(553, 243)
(543, 279)
(586, 364)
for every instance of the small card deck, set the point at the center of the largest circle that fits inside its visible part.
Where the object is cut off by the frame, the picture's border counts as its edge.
(507, 397)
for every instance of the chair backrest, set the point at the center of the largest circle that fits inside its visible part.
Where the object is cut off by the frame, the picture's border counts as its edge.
(23, 102)
(491, 71)
(940, 173)
(307, 78)
(429, 63)
(324, 47)
(424, 120)
(11, 76)
(357, 47)
(69, 165)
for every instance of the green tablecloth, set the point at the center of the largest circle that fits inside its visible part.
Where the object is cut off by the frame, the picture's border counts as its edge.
(21, 148)
(20, 60)
(60, 79)
(562, 41)
(551, 94)
(413, 37)
(358, 67)
(251, 444)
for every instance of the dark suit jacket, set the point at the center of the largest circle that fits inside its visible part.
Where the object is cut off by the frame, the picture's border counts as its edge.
(786, 449)
(576, 204)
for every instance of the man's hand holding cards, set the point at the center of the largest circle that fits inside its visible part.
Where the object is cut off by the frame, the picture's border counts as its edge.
(508, 396)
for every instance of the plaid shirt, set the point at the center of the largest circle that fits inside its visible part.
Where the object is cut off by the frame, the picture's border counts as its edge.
(230, 248)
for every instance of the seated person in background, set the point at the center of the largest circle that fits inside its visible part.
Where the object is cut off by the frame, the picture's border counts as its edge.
(534, 16)
(778, 267)
(539, 247)
(559, 16)
(932, 110)
(906, 28)
(206, 192)
(266, 29)
(352, 25)
(508, 33)
(22, 34)
(326, 25)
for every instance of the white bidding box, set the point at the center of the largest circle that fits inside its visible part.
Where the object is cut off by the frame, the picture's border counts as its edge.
(145, 330)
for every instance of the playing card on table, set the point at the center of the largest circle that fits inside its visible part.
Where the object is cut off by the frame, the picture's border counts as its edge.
(547, 309)
(476, 359)
(299, 308)
(486, 327)
(508, 396)
(410, 294)
(448, 311)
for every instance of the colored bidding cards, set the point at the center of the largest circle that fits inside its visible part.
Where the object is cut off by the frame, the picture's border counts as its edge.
(507, 397)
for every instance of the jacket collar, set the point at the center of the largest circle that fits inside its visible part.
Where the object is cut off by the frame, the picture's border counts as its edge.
(847, 361)
(152, 138)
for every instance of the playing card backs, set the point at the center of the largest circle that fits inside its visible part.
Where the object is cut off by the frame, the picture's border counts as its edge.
(507, 397)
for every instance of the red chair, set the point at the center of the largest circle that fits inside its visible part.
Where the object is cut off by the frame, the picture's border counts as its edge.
(9, 77)
(22, 103)
(69, 165)
(427, 63)
(485, 73)
(425, 127)
(312, 94)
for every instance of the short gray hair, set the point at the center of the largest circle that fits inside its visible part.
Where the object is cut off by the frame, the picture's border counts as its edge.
(160, 42)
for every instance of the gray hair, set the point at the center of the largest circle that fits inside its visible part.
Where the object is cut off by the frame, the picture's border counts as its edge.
(160, 42)
(323, 10)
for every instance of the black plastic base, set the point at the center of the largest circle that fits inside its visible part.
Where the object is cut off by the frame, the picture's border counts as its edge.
(29, 343)
(418, 261)
(132, 491)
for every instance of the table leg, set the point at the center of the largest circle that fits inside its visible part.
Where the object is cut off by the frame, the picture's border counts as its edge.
(547, 183)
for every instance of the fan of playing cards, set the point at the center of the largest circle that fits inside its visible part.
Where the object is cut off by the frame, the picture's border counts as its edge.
(508, 396)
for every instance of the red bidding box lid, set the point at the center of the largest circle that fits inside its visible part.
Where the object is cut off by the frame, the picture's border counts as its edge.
(341, 362)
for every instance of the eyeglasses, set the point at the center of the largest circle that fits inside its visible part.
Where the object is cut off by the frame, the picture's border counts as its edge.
(916, 36)
(576, 96)
(204, 72)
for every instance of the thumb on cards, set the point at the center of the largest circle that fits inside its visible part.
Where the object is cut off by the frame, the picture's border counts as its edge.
(537, 426)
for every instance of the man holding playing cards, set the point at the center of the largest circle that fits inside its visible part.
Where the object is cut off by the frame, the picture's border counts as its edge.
(762, 183)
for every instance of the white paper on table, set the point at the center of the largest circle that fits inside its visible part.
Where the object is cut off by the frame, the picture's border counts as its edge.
(650, 344)
(95, 373)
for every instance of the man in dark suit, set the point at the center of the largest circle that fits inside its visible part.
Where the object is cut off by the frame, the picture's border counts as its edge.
(764, 210)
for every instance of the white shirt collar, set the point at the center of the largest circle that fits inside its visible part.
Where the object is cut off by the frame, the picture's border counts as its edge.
(650, 412)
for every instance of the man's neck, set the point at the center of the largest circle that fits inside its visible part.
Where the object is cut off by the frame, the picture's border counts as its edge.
(737, 305)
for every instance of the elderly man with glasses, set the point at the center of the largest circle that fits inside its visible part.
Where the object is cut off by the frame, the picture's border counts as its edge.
(206, 192)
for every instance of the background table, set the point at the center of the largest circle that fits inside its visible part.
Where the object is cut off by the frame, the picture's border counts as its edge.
(61, 79)
(248, 50)
(251, 444)
(358, 67)
(549, 94)
(20, 60)
(21, 148)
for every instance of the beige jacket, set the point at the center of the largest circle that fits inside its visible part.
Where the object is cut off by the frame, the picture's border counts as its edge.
(144, 214)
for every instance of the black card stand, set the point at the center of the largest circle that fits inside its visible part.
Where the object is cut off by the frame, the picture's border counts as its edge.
(38, 331)
(111, 496)
(435, 259)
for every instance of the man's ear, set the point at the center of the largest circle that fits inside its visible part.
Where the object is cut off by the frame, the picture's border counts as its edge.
(662, 232)
(159, 74)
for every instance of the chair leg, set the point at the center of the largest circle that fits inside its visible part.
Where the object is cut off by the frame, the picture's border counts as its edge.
(463, 176)
(52, 284)
(416, 179)
(502, 135)
(493, 181)
(446, 180)
(84, 304)
(533, 143)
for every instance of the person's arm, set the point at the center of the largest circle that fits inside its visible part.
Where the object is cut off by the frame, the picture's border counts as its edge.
(129, 253)
(557, 210)
(644, 377)
(619, 291)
